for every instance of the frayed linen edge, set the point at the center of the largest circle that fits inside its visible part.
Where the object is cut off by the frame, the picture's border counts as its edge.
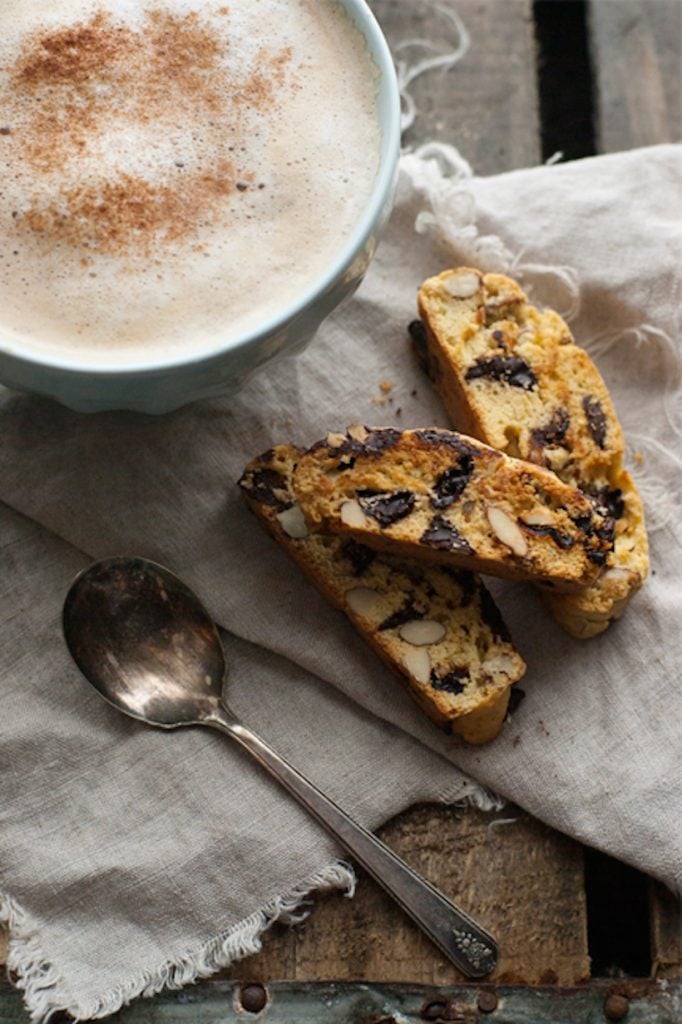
(43, 989)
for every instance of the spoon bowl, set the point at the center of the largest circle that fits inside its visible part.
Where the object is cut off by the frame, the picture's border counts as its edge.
(145, 642)
(150, 648)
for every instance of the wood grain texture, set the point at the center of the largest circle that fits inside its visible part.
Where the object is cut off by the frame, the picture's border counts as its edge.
(487, 104)
(521, 880)
(665, 929)
(636, 55)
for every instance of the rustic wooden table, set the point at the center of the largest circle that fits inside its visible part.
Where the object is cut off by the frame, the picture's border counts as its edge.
(558, 75)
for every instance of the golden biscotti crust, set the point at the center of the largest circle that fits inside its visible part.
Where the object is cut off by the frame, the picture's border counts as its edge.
(446, 498)
(513, 376)
(461, 678)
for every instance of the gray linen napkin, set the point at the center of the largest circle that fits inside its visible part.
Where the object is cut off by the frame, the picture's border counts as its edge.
(130, 859)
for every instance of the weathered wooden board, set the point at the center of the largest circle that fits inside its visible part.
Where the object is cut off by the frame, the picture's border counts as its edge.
(665, 929)
(636, 54)
(486, 104)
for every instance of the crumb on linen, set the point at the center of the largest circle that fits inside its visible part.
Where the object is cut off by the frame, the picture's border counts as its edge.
(378, 399)
(638, 458)
(385, 386)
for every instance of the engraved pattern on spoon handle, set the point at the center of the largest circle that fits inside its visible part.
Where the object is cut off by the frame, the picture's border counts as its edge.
(453, 931)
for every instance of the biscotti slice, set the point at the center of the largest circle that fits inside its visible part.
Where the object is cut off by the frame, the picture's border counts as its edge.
(512, 375)
(443, 497)
(437, 629)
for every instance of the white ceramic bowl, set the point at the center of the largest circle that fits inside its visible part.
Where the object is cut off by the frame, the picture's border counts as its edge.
(162, 386)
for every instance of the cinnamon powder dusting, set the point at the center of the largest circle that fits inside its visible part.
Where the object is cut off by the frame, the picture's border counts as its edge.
(129, 211)
(83, 87)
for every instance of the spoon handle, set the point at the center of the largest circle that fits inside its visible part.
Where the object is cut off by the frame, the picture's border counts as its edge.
(453, 931)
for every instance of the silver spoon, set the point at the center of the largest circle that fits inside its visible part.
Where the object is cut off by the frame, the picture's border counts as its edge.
(149, 647)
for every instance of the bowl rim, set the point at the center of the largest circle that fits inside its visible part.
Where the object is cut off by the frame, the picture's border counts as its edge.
(389, 115)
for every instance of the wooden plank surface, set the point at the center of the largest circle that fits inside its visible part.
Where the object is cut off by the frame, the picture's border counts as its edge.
(636, 54)
(665, 931)
(486, 104)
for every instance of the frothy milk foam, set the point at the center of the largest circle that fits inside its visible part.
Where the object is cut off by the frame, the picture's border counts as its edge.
(173, 173)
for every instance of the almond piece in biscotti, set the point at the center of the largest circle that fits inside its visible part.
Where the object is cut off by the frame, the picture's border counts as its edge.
(506, 530)
(422, 632)
(293, 523)
(352, 514)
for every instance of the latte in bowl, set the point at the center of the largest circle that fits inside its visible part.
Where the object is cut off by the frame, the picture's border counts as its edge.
(188, 187)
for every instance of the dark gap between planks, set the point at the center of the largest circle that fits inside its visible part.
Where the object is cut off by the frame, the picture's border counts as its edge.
(618, 932)
(565, 79)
